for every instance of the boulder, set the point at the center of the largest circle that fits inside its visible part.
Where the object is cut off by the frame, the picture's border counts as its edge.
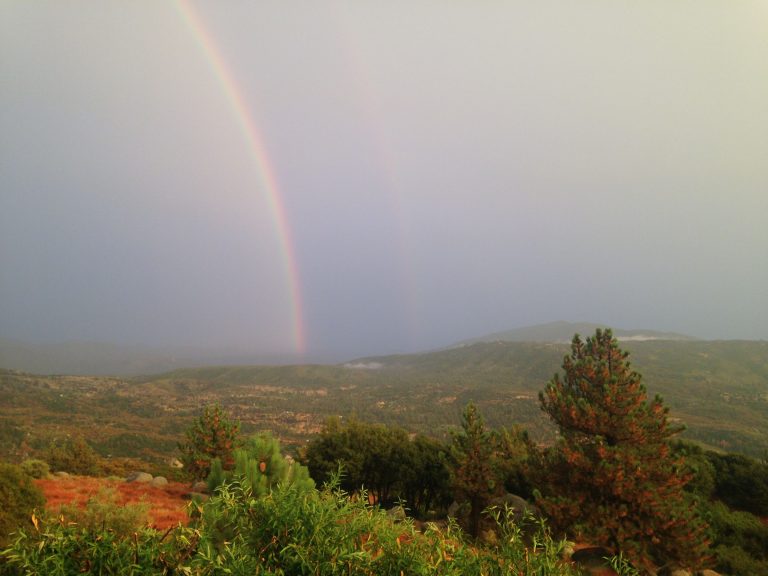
(200, 486)
(61, 474)
(142, 477)
(159, 481)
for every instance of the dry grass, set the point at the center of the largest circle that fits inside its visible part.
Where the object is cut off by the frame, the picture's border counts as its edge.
(167, 505)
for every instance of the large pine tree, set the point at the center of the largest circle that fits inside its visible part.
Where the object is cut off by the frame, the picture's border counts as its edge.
(614, 480)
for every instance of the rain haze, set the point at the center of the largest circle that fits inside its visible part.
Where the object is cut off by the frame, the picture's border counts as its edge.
(325, 180)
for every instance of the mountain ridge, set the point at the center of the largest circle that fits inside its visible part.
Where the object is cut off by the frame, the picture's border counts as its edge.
(563, 332)
(109, 359)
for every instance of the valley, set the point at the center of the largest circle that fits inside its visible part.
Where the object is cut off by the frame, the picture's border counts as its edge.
(718, 389)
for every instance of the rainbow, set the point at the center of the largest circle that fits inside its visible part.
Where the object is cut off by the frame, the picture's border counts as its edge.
(257, 150)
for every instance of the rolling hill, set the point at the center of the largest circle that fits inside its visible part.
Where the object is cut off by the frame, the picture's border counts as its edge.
(718, 389)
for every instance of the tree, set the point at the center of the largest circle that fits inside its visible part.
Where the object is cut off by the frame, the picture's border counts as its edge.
(613, 478)
(476, 476)
(73, 455)
(425, 477)
(212, 435)
(370, 455)
(384, 460)
(262, 466)
(517, 455)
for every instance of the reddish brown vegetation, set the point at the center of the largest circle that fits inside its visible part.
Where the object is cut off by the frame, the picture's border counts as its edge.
(167, 505)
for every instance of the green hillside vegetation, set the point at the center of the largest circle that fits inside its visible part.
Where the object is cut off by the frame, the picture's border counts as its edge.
(718, 390)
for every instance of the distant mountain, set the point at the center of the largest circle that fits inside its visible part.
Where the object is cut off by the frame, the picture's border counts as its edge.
(105, 359)
(564, 331)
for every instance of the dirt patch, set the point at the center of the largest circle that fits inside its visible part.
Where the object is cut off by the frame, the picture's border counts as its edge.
(167, 504)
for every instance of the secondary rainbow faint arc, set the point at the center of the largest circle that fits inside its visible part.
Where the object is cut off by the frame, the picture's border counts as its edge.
(258, 151)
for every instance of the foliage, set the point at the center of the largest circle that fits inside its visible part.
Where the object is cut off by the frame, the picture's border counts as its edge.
(56, 547)
(18, 498)
(741, 482)
(518, 456)
(73, 455)
(212, 435)
(329, 533)
(260, 464)
(717, 388)
(740, 542)
(36, 468)
(613, 478)
(285, 532)
(703, 473)
(390, 465)
(475, 471)
(729, 488)
(104, 512)
(424, 476)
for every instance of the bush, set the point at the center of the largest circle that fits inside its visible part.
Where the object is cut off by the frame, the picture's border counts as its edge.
(73, 455)
(741, 482)
(735, 560)
(329, 533)
(36, 468)
(58, 547)
(18, 499)
(740, 538)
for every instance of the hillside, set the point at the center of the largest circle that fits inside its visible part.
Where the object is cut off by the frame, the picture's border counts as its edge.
(719, 390)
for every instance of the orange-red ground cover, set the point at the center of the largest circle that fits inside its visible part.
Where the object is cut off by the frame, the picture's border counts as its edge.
(167, 505)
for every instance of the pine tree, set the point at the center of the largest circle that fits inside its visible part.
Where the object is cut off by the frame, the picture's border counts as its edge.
(476, 477)
(261, 465)
(212, 435)
(613, 479)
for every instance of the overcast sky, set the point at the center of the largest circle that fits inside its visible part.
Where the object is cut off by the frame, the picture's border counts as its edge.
(447, 169)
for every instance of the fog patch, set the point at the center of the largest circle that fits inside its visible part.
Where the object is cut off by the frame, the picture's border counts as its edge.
(364, 365)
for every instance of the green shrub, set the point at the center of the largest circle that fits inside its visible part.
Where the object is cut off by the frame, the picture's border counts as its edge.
(18, 499)
(740, 539)
(60, 548)
(288, 531)
(735, 560)
(329, 533)
(36, 468)
(73, 455)
(741, 482)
